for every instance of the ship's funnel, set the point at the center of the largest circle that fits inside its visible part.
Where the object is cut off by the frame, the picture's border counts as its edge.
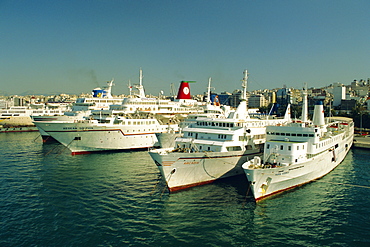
(99, 93)
(318, 114)
(184, 90)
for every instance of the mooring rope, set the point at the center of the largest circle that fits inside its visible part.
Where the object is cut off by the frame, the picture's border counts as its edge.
(64, 148)
(37, 137)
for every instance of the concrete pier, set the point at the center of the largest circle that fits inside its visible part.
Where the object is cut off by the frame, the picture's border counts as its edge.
(361, 142)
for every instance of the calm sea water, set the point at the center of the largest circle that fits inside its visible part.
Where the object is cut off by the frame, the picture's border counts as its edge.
(50, 198)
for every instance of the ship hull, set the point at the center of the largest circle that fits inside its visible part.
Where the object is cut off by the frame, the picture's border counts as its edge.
(83, 138)
(185, 170)
(267, 182)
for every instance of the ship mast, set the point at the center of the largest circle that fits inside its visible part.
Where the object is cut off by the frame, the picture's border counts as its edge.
(304, 116)
(244, 85)
(209, 91)
(109, 88)
(140, 87)
(241, 111)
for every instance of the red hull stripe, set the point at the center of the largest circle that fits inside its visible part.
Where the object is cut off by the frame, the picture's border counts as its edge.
(173, 189)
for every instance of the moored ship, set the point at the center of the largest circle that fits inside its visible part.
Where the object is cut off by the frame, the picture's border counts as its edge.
(100, 99)
(131, 126)
(19, 116)
(299, 152)
(213, 148)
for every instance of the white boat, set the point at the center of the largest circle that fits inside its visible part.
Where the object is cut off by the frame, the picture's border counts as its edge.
(101, 99)
(122, 128)
(210, 110)
(106, 133)
(180, 107)
(21, 116)
(213, 148)
(299, 152)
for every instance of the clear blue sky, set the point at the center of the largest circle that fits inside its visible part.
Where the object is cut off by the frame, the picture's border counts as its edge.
(73, 46)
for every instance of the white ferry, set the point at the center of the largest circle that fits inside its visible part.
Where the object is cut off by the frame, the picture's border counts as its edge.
(21, 116)
(213, 148)
(180, 108)
(106, 133)
(122, 128)
(101, 99)
(299, 152)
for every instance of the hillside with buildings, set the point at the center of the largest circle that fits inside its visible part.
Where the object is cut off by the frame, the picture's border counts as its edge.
(346, 100)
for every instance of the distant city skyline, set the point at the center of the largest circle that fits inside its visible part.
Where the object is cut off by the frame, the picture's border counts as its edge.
(74, 46)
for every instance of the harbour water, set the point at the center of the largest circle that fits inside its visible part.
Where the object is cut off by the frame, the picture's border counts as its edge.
(51, 198)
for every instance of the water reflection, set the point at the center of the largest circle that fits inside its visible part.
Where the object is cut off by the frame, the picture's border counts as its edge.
(318, 213)
(112, 199)
(216, 212)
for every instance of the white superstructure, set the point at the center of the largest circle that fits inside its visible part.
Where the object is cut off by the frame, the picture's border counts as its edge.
(101, 99)
(213, 148)
(22, 115)
(299, 152)
(106, 132)
(122, 128)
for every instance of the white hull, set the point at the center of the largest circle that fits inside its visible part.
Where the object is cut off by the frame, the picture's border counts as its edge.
(299, 152)
(67, 117)
(184, 170)
(266, 182)
(85, 137)
(213, 147)
(22, 116)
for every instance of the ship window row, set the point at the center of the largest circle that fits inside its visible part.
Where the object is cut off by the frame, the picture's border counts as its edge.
(184, 109)
(325, 143)
(16, 111)
(245, 138)
(43, 111)
(147, 103)
(207, 148)
(102, 101)
(255, 124)
(8, 114)
(220, 136)
(234, 148)
(290, 134)
(226, 125)
(165, 104)
(282, 147)
(144, 130)
(139, 122)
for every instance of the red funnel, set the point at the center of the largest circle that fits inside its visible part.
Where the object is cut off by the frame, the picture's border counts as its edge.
(184, 91)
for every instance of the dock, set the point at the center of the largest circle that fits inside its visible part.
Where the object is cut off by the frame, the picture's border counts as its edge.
(361, 142)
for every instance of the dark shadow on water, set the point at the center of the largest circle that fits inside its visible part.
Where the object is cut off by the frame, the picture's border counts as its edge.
(238, 185)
